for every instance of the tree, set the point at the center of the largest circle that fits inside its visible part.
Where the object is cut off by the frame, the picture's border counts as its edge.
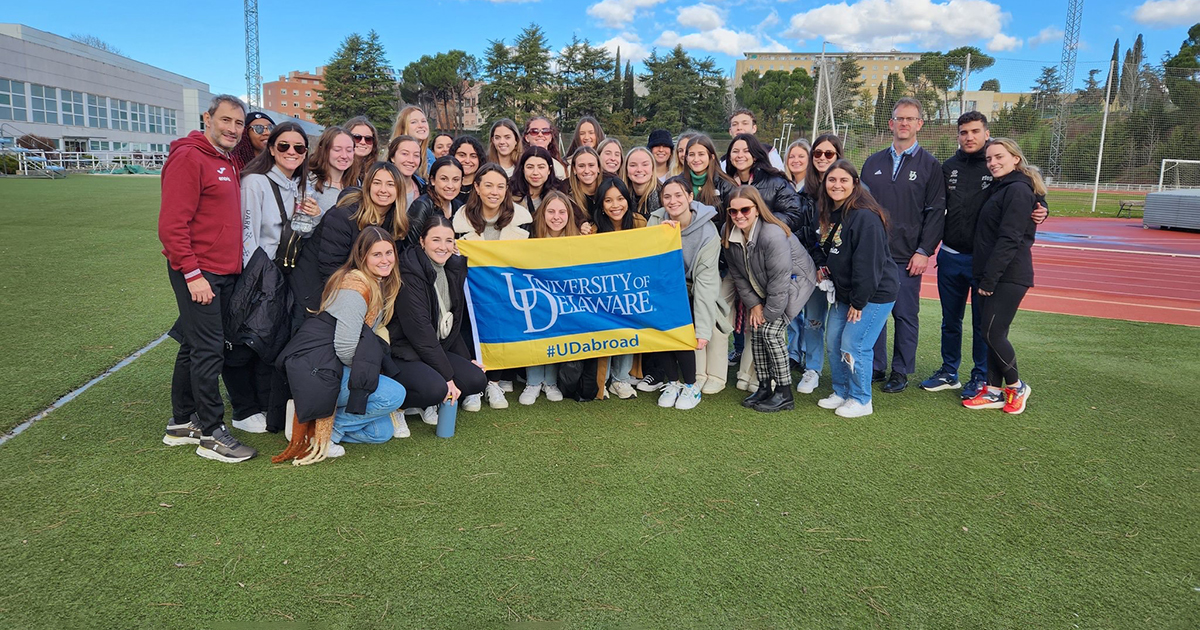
(628, 96)
(531, 55)
(1046, 88)
(877, 121)
(1182, 72)
(618, 82)
(844, 84)
(498, 96)
(358, 81)
(439, 84)
(683, 92)
(990, 85)
(930, 77)
(777, 97)
(1092, 93)
(957, 61)
(1131, 84)
(95, 42)
(583, 86)
(1115, 69)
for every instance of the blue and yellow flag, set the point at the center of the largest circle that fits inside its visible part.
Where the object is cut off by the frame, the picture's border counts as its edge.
(550, 300)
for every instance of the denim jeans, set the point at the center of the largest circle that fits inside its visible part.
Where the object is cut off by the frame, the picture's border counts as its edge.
(955, 283)
(374, 426)
(619, 367)
(855, 342)
(815, 312)
(795, 338)
(542, 375)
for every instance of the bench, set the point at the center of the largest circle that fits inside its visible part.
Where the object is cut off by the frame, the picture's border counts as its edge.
(1128, 205)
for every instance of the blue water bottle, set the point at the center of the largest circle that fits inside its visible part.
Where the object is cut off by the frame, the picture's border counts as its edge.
(447, 411)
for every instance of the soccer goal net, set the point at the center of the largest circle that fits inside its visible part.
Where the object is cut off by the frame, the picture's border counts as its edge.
(1175, 174)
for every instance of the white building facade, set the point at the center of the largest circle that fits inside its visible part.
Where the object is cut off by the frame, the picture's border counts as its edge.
(89, 100)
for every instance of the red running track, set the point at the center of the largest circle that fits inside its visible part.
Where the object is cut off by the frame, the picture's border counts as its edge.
(1111, 268)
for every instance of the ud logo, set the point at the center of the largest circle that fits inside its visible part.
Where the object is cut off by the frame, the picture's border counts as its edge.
(912, 176)
(529, 301)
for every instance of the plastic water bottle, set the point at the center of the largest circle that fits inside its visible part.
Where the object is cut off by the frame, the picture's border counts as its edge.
(301, 222)
(447, 411)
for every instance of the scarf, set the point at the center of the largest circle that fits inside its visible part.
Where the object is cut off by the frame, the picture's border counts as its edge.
(698, 183)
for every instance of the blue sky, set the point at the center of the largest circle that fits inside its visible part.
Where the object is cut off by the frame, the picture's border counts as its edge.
(208, 44)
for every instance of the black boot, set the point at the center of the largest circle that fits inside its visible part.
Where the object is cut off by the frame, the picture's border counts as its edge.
(781, 400)
(763, 393)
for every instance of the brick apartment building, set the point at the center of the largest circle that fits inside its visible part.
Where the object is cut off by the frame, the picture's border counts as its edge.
(295, 93)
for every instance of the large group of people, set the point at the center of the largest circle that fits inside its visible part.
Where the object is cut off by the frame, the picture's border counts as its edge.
(326, 289)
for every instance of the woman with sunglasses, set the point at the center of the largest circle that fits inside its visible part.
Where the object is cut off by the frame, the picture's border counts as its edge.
(441, 144)
(639, 177)
(469, 152)
(504, 145)
(587, 134)
(859, 262)
(611, 157)
(826, 150)
(540, 132)
(404, 152)
(774, 276)
(366, 147)
(411, 121)
(441, 197)
(253, 140)
(378, 202)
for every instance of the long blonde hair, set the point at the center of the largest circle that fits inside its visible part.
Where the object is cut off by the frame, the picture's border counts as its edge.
(751, 193)
(641, 192)
(401, 129)
(540, 230)
(1023, 165)
(368, 213)
(353, 274)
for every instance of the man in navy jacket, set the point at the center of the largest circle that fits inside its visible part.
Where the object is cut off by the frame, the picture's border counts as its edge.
(907, 181)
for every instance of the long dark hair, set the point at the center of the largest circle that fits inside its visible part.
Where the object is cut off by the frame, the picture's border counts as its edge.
(575, 138)
(762, 162)
(764, 213)
(265, 161)
(361, 164)
(860, 198)
(814, 179)
(383, 294)
(439, 164)
(708, 192)
(601, 218)
(318, 160)
(473, 209)
(507, 123)
(480, 153)
(520, 187)
(553, 148)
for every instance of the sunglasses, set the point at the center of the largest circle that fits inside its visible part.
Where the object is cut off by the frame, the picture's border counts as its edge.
(745, 211)
(828, 155)
(362, 139)
(261, 129)
(539, 132)
(283, 147)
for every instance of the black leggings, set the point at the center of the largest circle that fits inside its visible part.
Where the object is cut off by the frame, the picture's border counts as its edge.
(998, 310)
(677, 365)
(425, 387)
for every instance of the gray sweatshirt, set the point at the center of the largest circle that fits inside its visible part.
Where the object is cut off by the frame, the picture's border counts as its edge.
(350, 310)
(261, 225)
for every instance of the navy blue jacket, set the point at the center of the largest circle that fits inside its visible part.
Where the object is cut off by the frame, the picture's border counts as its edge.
(915, 200)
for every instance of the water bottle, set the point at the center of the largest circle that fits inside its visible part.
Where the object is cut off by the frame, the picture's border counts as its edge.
(447, 411)
(301, 222)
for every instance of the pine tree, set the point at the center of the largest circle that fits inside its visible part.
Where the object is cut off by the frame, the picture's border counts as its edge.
(617, 82)
(628, 97)
(1116, 72)
(358, 81)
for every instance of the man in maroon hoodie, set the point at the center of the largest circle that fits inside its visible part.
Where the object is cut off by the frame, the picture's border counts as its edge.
(199, 224)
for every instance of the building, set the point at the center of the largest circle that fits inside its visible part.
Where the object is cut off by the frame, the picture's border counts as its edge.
(986, 102)
(295, 93)
(86, 99)
(876, 66)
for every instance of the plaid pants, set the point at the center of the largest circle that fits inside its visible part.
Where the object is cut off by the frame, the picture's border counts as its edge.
(769, 345)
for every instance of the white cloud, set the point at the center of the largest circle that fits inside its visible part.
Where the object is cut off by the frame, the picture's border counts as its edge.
(903, 24)
(1048, 35)
(632, 48)
(721, 40)
(703, 17)
(771, 20)
(618, 13)
(1002, 42)
(1167, 12)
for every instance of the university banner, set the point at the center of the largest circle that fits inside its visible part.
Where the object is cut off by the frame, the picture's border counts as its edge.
(550, 300)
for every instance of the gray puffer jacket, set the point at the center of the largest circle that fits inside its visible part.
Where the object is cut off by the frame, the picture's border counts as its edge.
(770, 268)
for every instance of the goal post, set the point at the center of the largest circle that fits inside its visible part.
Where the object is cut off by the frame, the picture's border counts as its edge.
(1174, 174)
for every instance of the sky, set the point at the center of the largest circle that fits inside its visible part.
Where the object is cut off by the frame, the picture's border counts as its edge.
(208, 45)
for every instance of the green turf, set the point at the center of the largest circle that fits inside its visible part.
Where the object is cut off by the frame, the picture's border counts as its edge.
(84, 283)
(1078, 203)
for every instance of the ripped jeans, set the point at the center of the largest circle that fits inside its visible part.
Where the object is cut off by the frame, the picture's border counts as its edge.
(813, 317)
(851, 348)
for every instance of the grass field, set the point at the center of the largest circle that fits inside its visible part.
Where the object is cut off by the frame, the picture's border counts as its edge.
(1079, 513)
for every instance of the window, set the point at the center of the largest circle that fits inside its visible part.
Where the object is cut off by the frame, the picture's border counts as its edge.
(295, 92)
(885, 67)
(156, 119)
(295, 104)
(308, 106)
(119, 112)
(97, 111)
(308, 93)
(169, 122)
(98, 145)
(138, 117)
(12, 100)
(72, 108)
(45, 103)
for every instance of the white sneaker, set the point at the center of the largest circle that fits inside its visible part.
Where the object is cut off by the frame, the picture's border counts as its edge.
(529, 395)
(399, 425)
(472, 402)
(854, 409)
(670, 393)
(833, 401)
(650, 384)
(743, 385)
(288, 418)
(689, 397)
(495, 395)
(553, 393)
(335, 450)
(505, 386)
(429, 416)
(808, 382)
(253, 424)
(622, 390)
(413, 411)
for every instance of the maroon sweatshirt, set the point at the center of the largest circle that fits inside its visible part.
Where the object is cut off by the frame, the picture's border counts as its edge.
(200, 219)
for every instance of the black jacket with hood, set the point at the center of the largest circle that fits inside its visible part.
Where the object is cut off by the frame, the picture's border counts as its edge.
(1005, 233)
(260, 309)
(967, 187)
(413, 330)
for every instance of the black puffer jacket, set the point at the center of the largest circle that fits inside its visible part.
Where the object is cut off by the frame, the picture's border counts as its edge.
(413, 330)
(781, 199)
(315, 372)
(809, 231)
(260, 308)
(338, 232)
(419, 212)
(1005, 233)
